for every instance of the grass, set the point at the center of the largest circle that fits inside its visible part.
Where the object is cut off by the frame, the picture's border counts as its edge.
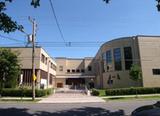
(133, 98)
(101, 92)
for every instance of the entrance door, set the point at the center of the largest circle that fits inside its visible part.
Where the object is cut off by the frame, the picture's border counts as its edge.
(77, 83)
(59, 85)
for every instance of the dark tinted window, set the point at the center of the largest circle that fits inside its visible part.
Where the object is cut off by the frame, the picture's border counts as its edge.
(73, 70)
(128, 57)
(89, 68)
(117, 59)
(108, 57)
(77, 70)
(82, 70)
(156, 71)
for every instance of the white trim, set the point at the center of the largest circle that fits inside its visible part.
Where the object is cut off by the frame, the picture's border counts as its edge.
(74, 76)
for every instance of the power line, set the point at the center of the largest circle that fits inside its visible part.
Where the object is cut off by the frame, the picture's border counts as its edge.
(5, 37)
(54, 14)
(12, 44)
(70, 44)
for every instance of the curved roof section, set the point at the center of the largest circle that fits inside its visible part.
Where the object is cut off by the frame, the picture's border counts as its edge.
(118, 39)
(114, 40)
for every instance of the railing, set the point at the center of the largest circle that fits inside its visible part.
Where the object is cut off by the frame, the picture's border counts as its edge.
(87, 91)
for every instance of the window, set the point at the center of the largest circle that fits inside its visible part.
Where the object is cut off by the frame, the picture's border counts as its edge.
(104, 56)
(60, 68)
(53, 66)
(82, 70)
(46, 60)
(117, 59)
(103, 63)
(50, 79)
(128, 57)
(73, 71)
(156, 71)
(42, 58)
(77, 70)
(108, 57)
(89, 68)
(68, 71)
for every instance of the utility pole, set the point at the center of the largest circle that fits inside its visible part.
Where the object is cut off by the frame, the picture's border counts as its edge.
(34, 26)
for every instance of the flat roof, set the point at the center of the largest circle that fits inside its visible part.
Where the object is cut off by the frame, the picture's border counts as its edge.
(85, 58)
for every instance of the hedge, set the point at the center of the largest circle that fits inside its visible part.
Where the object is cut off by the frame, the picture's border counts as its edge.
(95, 92)
(25, 92)
(132, 91)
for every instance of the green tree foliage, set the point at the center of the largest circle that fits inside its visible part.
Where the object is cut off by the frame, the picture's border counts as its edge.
(135, 72)
(9, 68)
(7, 25)
(158, 3)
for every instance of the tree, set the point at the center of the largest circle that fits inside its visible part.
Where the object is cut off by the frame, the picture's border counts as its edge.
(135, 73)
(9, 68)
(7, 25)
(158, 3)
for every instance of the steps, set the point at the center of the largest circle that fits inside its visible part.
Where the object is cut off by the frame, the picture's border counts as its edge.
(71, 98)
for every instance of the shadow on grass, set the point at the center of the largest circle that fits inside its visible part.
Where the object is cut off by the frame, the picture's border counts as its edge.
(86, 111)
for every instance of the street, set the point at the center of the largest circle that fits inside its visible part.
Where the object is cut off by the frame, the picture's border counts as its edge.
(110, 108)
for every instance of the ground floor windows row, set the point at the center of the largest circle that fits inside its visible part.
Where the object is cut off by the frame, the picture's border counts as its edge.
(42, 75)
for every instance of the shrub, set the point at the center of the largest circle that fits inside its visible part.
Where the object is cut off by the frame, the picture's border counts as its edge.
(132, 91)
(95, 92)
(25, 92)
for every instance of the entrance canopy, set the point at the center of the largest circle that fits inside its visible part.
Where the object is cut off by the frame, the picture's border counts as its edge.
(74, 76)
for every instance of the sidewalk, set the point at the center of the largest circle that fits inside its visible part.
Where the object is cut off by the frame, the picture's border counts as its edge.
(125, 96)
(19, 98)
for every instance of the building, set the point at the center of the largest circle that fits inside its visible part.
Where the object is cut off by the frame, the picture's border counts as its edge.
(75, 73)
(108, 69)
(45, 66)
(114, 59)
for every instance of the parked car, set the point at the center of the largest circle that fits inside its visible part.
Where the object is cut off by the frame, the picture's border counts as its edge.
(149, 110)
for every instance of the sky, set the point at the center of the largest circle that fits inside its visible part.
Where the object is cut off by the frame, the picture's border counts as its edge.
(83, 21)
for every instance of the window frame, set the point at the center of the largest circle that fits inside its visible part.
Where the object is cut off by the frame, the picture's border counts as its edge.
(117, 59)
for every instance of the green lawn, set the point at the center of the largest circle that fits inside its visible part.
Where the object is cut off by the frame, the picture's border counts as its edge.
(101, 92)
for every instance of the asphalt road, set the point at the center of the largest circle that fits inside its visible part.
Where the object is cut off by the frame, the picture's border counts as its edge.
(110, 108)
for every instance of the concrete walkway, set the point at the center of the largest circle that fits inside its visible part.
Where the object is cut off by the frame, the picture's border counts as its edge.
(71, 98)
(130, 96)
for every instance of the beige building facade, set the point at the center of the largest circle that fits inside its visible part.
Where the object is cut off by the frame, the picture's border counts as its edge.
(115, 58)
(108, 69)
(75, 73)
(45, 66)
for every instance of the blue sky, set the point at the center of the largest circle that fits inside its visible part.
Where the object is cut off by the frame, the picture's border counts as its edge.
(84, 20)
